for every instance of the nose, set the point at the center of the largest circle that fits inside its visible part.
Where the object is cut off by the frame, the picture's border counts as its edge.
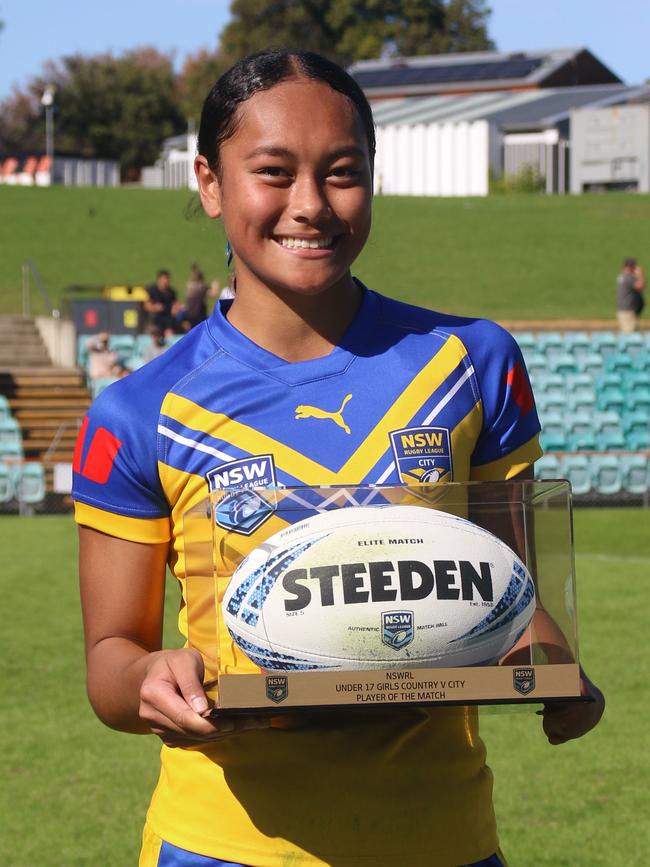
(309, 202)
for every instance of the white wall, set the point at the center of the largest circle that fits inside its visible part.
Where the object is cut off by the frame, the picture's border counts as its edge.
(437, 159)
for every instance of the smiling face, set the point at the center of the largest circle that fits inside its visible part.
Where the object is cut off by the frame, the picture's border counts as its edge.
(294, 190)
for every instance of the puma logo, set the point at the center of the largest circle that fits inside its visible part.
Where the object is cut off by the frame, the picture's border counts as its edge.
(306, 411)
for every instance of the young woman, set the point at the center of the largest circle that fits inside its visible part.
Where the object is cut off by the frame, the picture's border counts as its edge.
(286, 148)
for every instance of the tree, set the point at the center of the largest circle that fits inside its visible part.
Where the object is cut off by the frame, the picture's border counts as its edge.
(114, 108)
(349, 30)
(196, 78)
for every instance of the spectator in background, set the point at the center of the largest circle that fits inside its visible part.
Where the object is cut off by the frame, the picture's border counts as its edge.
(103, 362)
(629, 295)
(195, 308)
(161, 302)
(157, 346)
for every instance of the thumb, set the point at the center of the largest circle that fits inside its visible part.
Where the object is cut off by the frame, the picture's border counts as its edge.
(188, 669)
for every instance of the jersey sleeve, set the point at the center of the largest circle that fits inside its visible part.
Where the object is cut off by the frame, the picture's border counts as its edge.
(509, 438)
(116, 487)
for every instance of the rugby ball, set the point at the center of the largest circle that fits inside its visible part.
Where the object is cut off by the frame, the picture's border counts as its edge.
(378, 587)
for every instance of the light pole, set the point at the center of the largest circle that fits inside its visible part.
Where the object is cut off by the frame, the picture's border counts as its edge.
(47, 100)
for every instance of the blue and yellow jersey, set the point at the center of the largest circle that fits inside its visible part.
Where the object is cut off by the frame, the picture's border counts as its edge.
(409, 395)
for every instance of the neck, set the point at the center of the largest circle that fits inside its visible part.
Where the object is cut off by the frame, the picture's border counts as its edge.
(295, 327)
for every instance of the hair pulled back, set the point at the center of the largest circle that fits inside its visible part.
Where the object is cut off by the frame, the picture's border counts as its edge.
(261, 71)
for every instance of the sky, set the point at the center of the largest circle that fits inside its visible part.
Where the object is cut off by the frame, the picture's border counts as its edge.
(40, 30)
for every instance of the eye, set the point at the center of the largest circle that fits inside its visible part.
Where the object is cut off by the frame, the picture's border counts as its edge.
(273, 172)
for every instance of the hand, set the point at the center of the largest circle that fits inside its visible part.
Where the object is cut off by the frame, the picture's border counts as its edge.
(173, 702)
(563, 722)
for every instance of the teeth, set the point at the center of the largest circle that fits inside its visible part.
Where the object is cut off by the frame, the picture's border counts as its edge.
(312, 244)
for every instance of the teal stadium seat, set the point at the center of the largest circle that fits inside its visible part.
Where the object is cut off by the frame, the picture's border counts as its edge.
(82, 349)
(636, 421)
(562, 363)
(549, 403)
(11, 435)
(606, 474)
(642, 361)
(638, 400)
(579, 425)
(604, 342)
(5, 409)
(547, 467)
(577, 343)
(580, 383)
(579, 403)
(618, 362)
(527, 341)
(608, 380)
(536, 362)
(100, 383)
(631, 344)
(611, 399)
(6, 483)
(584, 442)
(30, 486)
(638, 441)
(550, 343)
(592, 363)
(637, 380)
(576, 469)
(551, 384)
(636, 474)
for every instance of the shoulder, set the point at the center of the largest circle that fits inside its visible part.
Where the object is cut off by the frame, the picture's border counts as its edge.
(479, 336)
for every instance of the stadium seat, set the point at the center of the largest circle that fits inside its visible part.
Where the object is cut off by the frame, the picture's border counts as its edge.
(578, 424)
(551, 384)
(6, 483)
(638, 441)
(549, 403)
(610, 442)
(635, 470)
(580, 383)
(536, 362)
(547, 467)
(591, 363)
(553, 442)
(563, 363)
(618, 362)
(550, 343)
(584, 442)
(607, 422)
(642, 361)
(638, 400)
(604, 342)
(82, 349)
(577, 343)
(98, 385)
(637, 380)
(10, 435)
(5, 409)
(631, 344)
(30, 485)
(606, 474)
(581, 402)
(608, 380)
(527, 340)
(610, 399)
(575, 468)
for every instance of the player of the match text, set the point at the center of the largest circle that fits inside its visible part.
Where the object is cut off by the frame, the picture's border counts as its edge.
(400, 686)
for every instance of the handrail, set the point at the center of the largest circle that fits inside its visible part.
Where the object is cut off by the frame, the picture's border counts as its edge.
(29, 266)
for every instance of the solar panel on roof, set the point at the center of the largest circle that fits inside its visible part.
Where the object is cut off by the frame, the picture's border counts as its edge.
(400, 76)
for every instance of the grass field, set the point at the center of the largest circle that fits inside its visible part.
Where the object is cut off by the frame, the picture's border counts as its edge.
(516, 256)
(75, 793)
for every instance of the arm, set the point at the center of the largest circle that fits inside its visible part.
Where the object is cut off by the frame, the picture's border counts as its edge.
(134, 685)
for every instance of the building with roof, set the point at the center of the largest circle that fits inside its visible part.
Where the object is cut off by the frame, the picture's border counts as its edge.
(475, 71)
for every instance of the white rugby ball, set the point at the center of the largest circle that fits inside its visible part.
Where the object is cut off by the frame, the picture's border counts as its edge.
(378, 587)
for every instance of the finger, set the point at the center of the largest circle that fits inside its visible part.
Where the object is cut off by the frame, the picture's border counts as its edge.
(187, 670)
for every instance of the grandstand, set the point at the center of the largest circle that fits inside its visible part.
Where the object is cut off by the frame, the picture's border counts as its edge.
(593, 397)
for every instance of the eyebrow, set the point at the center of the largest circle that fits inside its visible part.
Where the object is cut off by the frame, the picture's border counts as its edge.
(276, 151)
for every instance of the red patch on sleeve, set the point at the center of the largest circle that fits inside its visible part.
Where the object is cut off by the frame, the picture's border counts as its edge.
(101, 456)
(521, 392)
(79, 446)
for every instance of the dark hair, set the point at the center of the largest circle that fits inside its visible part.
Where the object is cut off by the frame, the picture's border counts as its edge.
(163, 272)
(261, 71)
(630, 263)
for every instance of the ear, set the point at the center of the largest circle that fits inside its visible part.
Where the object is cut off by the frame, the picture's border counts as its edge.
(209, 188)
